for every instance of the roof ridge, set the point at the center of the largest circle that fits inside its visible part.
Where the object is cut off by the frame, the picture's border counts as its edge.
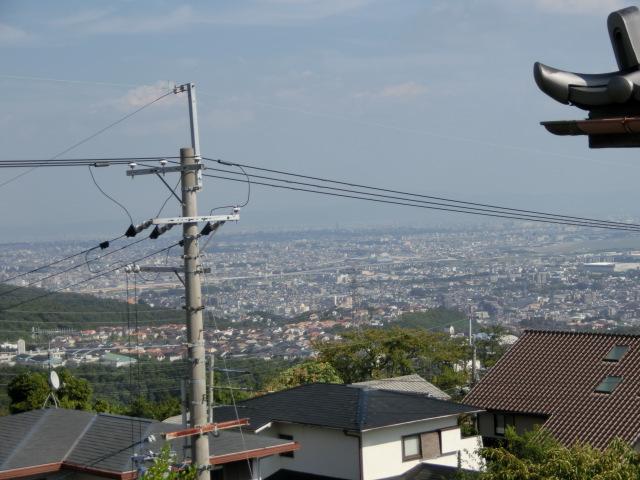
(572, 332)
(361, 408)
(80, 436)
(29, 434)
(416, 394)
(128, 417)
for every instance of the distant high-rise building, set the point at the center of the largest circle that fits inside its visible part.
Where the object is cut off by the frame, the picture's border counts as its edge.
(22, 347)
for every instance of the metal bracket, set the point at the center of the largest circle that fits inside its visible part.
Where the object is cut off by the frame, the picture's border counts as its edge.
(170, 189)
(202, 218)
(157, 170)
(193, 309)
(170, 269)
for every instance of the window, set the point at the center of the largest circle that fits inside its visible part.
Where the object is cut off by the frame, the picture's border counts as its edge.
(616, 353)
(411, 448)
(608, 385)
(282, 436)
(430, 445)
(501, 422)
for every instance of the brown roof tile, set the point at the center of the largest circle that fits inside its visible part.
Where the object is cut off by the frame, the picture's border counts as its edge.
(555, 373)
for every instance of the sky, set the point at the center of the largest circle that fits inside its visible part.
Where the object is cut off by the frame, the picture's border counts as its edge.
(434, 97)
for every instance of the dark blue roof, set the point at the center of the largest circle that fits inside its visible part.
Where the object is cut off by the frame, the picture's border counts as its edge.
(342, 406)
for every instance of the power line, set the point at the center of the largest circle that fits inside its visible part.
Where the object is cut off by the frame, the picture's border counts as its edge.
(452, 208)
(430, 197)
(73, 267)
(78, 162)
(110, 197)
(579, 222)
(102, 245)
(90, 137)
(101, 274)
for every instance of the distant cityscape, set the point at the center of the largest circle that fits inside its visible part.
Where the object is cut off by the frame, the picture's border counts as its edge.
(273, 296)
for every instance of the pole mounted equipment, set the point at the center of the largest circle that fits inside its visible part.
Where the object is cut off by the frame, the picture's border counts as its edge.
(612, 99)
(190, 170)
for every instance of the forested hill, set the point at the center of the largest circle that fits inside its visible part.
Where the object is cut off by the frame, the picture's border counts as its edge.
(436, 319)
(69, 311)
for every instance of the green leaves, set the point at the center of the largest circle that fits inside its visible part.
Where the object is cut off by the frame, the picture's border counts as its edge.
(27, 391)
(163, 469)
(536, 455)
(306, 372)
(377, 353)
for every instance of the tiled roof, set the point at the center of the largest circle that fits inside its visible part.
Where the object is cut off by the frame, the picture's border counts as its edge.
(407, 383)
(60, 438)
(342, 407)
(555, 373)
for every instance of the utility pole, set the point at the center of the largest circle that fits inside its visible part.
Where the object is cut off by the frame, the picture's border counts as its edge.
(191, 181)
(211, 379)
(473, 351)
(194, 307)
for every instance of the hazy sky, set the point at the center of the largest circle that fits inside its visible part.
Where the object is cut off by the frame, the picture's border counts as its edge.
(434, 97)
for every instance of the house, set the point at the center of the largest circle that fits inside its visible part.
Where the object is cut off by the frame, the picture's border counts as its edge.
(348, 432)
(115, 360)
(406, 383)
(581, 386)
(76, 445)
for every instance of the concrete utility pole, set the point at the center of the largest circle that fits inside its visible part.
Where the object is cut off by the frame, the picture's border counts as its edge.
(211, 379)
(191, 181)
(194, 307)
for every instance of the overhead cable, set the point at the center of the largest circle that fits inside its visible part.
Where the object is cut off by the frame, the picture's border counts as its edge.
(458, 203)
(505, 215)
(90, 137)
(101, 245)
(93, 277)
(68, 269)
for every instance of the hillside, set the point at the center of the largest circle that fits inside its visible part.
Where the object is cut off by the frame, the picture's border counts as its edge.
(436, 319)
(69, 311)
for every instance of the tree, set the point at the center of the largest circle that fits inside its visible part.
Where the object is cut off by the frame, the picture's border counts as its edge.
(163, 469)
(536, 455)
(75, 393)
(141, 407)
(28, 391)
(307, 372)
(489, 345)
(376, 353)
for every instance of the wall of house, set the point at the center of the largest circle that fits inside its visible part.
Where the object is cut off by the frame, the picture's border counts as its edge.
(466, 456)
(522, 423)
(323, 451)
(382, 448)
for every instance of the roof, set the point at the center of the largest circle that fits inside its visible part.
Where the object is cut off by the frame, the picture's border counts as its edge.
(407, 383)
(425, 471)
(285, 474)
(555, 374)
(43, 441)
(342, 407)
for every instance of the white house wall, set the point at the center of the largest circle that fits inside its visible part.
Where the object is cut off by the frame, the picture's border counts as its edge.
(468, 457)
(323, 451)
(382, 448)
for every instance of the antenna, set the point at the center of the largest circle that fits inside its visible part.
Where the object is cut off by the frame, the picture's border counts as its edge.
(54, 383)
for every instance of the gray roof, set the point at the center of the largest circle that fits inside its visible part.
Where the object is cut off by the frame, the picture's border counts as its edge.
(98, 441)
(45, 435)
(342, 407)
(425, 471)
(407, 383)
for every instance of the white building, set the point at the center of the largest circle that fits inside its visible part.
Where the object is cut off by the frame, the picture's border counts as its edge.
(348, 432)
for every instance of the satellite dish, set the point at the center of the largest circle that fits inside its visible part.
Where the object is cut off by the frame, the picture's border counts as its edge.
(54, 380)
